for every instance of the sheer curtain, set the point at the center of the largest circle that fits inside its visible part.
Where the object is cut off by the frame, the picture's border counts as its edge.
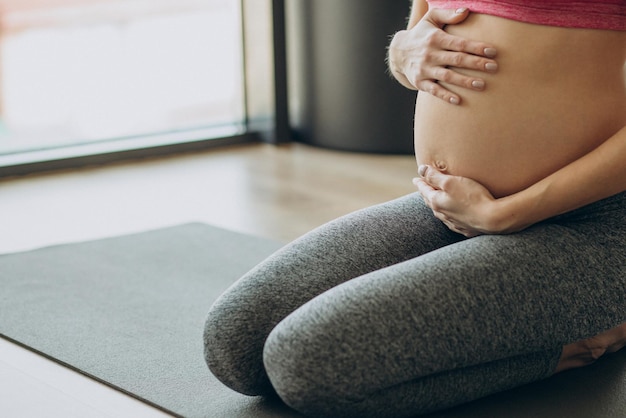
(88, 71)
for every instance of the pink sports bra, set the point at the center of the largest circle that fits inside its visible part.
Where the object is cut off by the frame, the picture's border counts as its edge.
(588, 14)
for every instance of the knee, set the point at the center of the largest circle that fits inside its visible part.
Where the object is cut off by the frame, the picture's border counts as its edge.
(305, 376)
(287, 364)
(232, 350)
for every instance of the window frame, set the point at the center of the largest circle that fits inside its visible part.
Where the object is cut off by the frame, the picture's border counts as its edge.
(265, 104)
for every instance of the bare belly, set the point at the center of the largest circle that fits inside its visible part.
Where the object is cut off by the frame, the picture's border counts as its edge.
(558, 94)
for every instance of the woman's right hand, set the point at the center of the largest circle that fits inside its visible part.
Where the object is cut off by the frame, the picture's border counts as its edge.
(420, 57)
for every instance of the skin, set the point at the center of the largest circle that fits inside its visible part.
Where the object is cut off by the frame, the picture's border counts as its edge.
(418, 56)
(483, 172)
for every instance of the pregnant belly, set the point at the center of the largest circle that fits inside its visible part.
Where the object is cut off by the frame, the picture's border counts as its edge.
(532, 119)
(508, 145)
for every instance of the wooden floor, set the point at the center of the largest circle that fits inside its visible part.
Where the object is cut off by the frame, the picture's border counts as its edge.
(276, 192)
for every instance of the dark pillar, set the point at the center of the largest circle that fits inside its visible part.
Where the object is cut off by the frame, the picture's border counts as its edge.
(341, 95)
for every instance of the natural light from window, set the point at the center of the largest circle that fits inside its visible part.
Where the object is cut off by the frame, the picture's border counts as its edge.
(78, 71)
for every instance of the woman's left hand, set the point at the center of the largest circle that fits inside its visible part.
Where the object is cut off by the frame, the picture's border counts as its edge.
(464, 205)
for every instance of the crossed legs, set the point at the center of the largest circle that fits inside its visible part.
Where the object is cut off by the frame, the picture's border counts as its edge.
(385, 310)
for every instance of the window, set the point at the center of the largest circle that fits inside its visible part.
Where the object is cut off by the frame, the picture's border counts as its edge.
(87, 76)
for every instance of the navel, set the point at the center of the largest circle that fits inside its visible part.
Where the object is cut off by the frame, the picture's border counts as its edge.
(441, 165)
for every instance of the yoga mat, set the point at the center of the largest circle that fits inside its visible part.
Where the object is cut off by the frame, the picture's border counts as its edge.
(129, 312)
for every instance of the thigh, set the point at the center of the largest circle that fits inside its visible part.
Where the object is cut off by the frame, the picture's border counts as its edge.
(348, 247)
(353, 245)
(471, 303)
(240, 320)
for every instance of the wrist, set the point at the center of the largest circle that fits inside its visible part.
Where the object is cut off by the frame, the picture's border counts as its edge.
(396, 60)
(504, 217)
(515, 212)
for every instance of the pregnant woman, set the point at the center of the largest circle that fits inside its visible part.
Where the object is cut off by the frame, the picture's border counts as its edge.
(507, 265)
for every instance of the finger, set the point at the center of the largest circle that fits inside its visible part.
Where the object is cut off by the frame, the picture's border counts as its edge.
(438, 91)
(449, 76)
(468, 233)
(451, 225)
(442, 17)
(456, 229)
(459, 44)
(463, 60)
(434, 198)
(435, 178)
(425, 190)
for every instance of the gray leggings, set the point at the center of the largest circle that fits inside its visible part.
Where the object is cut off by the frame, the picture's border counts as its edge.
(385, 312)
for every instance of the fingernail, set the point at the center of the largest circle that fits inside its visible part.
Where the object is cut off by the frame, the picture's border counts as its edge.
(415, 181)
(491, 66)
(421, 170)
(461, 10)
(454, 100)
(490, 52)
(478, 84)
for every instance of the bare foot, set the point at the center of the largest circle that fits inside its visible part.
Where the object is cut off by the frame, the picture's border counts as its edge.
(585, 352)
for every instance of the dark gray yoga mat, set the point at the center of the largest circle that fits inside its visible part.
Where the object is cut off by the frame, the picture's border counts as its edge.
(129, 311)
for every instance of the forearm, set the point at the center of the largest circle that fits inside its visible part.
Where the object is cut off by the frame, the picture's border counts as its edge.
(595, 176)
